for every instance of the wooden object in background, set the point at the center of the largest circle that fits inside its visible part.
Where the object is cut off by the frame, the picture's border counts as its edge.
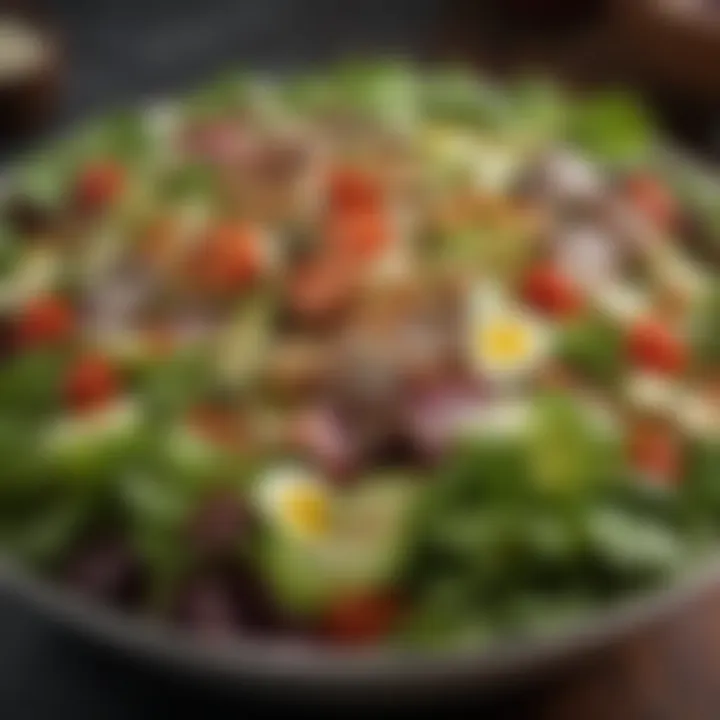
(673, 45)
(572, 40)
(30, 70)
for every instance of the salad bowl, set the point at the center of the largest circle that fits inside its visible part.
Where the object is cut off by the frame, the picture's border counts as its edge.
(420, 397)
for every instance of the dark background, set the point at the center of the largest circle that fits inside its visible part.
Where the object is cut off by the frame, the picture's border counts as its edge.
(126, 51)
(120, 50)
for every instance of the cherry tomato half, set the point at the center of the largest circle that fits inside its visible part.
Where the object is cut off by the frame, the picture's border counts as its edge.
(547, 289)
(359, 234)
(91, 382)
(44, 320)
(360, 619)
(652, 346)
(351, 189)
(229, 259)
(99, 184)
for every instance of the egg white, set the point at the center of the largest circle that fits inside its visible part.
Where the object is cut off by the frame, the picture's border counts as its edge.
(280, 487)
(491, 314)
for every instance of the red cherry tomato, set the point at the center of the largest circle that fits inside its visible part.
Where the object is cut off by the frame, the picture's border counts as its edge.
(652, 199)
(99, 184)
(91, 383)
(351, 189)
(360, 619)
(229, 259)
(547, 289)
(359, 234)
(652, 346)
(655, 452)
(44, 320)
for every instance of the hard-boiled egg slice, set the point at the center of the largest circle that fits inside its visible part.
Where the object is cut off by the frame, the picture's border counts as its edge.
(296, 502)
(504, 341)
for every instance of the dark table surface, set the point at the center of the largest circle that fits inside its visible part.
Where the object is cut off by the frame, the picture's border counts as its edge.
(124, 51)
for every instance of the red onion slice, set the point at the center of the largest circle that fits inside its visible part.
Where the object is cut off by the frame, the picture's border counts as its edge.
(434, 418)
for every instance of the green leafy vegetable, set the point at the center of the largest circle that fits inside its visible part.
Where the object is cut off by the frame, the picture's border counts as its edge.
(456, 95)
(613, 127)
(593, 346)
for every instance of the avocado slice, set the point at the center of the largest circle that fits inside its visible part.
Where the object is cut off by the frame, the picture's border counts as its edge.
(364, 548)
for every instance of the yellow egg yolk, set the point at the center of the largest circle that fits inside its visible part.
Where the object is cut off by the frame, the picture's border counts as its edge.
(504, 342)
(305, 507)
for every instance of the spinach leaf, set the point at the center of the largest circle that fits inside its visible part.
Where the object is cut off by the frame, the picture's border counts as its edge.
(30, 383)
(613, 127)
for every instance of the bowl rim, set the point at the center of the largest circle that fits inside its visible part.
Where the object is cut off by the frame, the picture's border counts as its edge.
(262, 660)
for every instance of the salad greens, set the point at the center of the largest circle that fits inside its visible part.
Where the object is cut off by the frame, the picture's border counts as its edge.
(309, 355)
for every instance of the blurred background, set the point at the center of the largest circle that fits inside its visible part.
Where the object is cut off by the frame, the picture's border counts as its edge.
(61, 60)
(98, 53)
